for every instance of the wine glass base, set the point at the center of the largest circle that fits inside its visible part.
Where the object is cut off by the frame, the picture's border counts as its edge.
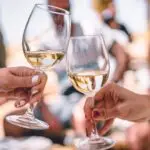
(27, 122)
(102, 143)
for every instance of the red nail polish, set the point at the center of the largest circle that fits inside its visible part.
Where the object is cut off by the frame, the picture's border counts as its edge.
(96, 114)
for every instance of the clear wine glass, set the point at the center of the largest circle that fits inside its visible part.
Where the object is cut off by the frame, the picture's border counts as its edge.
(88, 69)
(45, 41)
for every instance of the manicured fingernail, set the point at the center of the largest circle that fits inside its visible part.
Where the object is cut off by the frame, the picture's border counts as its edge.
(35, 79)
(34, 92)
(20, 103)
(96, 114)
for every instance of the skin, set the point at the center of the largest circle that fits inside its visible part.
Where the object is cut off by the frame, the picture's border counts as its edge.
(59, 3)
(113, 101)
(122, 60)
(138, 136)
(16, 83)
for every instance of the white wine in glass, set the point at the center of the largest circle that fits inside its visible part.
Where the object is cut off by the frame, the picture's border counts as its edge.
(44, 59)
(45, 41)
(88, 69)
(86, 81)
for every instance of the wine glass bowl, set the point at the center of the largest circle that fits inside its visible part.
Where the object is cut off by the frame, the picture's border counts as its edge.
(45, 41)
(88, 63)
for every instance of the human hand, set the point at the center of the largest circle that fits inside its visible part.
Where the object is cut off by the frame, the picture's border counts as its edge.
(19, 83)
(114, 101)
(138, 136)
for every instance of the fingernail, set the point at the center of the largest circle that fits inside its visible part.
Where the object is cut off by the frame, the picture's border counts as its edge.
(34, 92)
(96, 114)
(20, 103)
(35, 79)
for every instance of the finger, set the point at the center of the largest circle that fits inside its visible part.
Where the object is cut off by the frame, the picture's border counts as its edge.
(36, 98)
(25, 82)
(106, 127)
(21, 102)
(22, 71)
(89, 127)
(104, 114)
(108, 88)
(20, 96)
(40, 87)
(88, 108)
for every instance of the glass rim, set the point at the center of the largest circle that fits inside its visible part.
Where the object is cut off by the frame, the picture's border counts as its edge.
(64, 12)
(85, 36)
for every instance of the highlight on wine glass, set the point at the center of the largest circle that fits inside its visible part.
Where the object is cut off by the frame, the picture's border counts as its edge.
(88, 69)
(45, 41)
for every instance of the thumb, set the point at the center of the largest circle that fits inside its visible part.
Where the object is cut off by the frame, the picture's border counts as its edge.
(104, 114)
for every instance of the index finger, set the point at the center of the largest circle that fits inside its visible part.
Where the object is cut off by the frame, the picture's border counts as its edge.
(88, 108)
(22, 71)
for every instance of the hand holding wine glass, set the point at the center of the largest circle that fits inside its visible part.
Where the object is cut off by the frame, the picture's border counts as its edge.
(45, 41)
(13, 81)
(88, 70)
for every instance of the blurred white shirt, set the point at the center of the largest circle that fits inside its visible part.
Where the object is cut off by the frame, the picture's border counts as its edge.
(92, 25)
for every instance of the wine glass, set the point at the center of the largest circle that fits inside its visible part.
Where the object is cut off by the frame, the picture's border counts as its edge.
(88, 69)
(45, 41)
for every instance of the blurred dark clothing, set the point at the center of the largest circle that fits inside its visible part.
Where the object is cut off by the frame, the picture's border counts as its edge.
(124, 29)
(2, 51)
(112, 23)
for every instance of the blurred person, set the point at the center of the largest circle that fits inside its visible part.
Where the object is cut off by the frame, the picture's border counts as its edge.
(67, 89)
(116, 49)
(109, 16)
(95, 25)
(17, 82)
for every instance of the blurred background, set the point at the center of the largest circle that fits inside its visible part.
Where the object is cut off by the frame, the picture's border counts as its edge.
(62, 105)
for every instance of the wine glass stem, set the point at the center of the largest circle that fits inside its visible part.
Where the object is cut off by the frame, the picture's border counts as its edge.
(95, 128)
(30, 112)
(95, 131)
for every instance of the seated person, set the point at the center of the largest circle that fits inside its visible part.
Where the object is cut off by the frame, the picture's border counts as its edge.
(109, 17)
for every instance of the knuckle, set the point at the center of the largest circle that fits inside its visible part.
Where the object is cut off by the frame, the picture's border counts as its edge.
(111, 86)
